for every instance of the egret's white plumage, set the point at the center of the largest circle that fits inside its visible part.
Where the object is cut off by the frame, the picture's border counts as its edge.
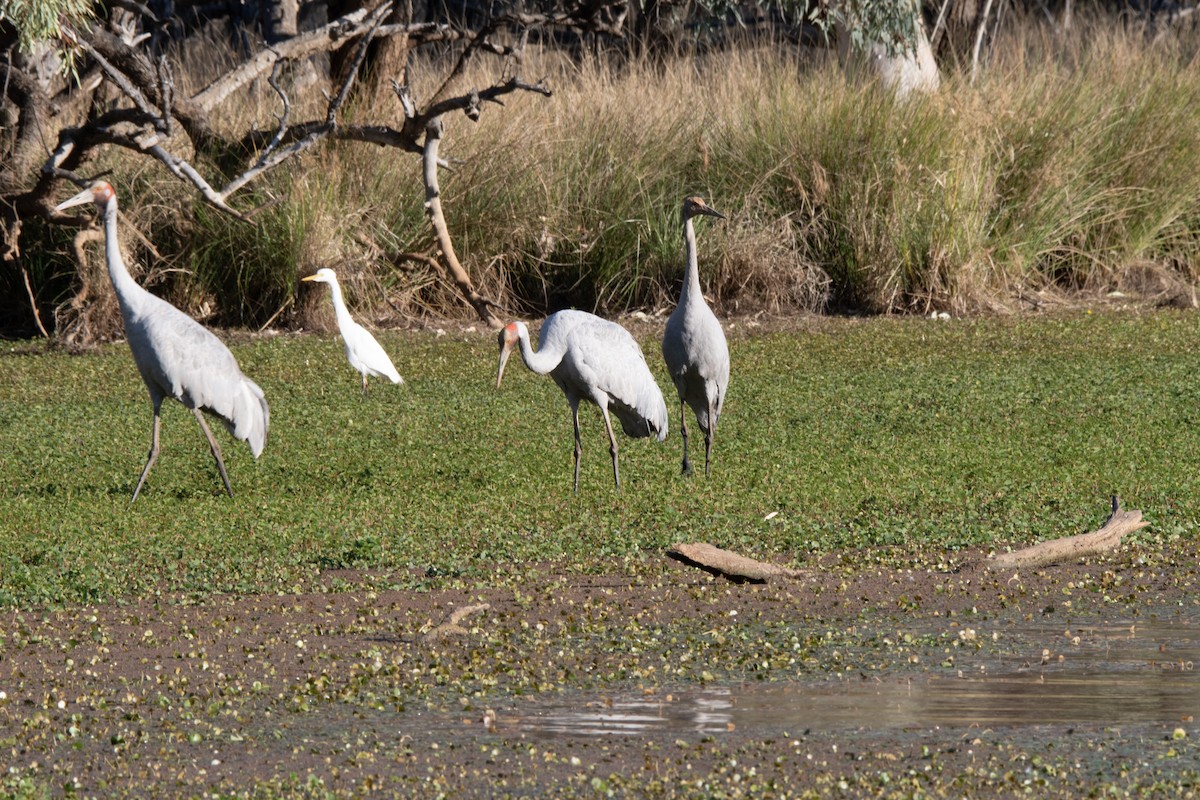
(593, 359)
(176, 356)
(362, 351)
(694, 346)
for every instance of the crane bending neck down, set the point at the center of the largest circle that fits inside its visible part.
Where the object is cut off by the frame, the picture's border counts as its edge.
(596, 360)
(177, 356)
(540, 361)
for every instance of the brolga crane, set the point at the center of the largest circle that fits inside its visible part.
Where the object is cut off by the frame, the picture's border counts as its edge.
(362, 351)
(176, 356)
(593, 359)
(694, 346)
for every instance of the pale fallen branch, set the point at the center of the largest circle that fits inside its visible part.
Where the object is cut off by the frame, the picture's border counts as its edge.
(451, 626)
(1107, 537)
(728, 563)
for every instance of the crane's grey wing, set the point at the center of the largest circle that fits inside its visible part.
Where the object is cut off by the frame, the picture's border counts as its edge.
(192, 365)
(608, 364)
(697, 357)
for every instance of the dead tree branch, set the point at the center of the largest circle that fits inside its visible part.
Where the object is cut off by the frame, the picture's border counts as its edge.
(1107, 537)
(727, 563)
(452, 626)
(151, 119)
(433, 208)
(321, 40)
(284, 115)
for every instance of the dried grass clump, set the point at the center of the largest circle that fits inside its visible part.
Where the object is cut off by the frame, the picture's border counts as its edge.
(1072, 166)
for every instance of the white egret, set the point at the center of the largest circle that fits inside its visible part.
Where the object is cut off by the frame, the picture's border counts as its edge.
(364, 353)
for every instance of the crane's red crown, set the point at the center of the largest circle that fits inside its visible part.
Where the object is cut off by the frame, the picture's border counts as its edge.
(99, 192)
(102, 191)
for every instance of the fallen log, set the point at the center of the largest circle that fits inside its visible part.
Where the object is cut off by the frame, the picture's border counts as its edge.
(1107, 537)
(727, 563)
(451, 626)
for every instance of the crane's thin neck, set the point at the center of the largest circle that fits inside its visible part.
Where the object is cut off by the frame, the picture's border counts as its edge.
(339, 304)
(543, 360)
(123, 283)
(691, 278)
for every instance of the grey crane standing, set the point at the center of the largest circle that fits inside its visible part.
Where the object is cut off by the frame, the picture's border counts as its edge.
(593, 359)
(176, 356)
(363, 352)
(694, 346)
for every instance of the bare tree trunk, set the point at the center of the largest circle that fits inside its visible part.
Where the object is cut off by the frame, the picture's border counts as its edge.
(904, 71)
(280, 20)
(28, 115)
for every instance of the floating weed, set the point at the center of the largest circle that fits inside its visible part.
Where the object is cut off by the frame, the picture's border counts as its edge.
(897, 442)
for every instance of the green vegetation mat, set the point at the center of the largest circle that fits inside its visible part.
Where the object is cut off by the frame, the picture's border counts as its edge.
(910, 438)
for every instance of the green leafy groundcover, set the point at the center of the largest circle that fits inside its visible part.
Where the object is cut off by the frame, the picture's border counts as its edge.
(899, 435)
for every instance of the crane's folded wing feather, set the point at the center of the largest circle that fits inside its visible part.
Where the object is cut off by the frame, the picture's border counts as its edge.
(189, 363)
(605, 356)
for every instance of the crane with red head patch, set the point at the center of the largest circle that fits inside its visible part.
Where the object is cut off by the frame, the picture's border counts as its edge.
(592, 359)
(177, 356)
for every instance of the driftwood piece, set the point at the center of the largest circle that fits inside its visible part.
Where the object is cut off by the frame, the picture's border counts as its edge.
(1107, 537)
(728, 563)
(451, 626)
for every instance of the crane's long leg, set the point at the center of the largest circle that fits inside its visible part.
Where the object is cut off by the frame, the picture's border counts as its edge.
(153, 448)
(612, 445)
(709, 430)
(364, 384)
(687, 465)
(578, 443)
(216, 449)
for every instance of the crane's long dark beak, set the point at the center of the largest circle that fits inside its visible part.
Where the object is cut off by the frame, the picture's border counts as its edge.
(506, 349)
(712, 212)
(83, 197)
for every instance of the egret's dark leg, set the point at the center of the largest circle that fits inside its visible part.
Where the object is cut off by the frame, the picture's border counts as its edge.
(709, 430)
(153, 448)
(364, 384)
(578, 443)
(216, 449)
(687, 465)
(612, 446)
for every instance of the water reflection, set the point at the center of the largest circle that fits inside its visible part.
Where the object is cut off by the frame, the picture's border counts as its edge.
(1126, 673)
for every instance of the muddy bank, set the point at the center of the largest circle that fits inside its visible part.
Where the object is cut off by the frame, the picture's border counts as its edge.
(734, 689)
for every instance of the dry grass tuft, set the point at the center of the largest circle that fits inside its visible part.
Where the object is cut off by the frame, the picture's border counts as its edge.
(1073, 166)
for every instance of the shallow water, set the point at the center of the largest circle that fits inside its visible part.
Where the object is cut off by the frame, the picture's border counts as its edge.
(1113, 674)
